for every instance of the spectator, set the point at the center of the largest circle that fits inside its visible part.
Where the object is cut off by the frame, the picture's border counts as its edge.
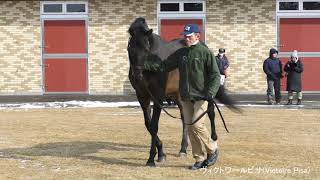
(293, 69)
(272, 66)
(223, 65)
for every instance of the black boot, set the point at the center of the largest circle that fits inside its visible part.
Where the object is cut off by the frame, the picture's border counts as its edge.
(211, 159)
(289, 102)
(299, 102)
(197, 165)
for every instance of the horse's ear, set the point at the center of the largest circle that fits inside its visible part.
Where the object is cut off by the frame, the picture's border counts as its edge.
(149, 33)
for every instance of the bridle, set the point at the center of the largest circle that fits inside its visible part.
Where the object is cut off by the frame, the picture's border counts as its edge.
(140, 68)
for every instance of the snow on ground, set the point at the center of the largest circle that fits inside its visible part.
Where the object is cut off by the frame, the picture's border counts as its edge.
(67, 104)
(96, 104)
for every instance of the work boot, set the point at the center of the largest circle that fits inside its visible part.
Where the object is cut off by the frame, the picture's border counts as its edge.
(197, 165)
(289, 102)
(277, 102)
(211, 159)
(299, 102)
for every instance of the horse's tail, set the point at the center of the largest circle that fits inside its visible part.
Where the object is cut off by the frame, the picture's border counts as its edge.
(223, 97)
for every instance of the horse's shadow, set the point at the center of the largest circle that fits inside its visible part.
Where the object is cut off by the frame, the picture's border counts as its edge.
(79, 150)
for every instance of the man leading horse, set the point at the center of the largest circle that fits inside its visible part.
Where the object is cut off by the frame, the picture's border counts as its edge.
(198, 84)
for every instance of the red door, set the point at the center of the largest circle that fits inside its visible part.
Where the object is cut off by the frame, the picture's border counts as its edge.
(302, 34)
(172, 28)
(65, 56)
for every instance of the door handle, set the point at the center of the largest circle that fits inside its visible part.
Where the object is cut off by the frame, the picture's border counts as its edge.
(44, 65)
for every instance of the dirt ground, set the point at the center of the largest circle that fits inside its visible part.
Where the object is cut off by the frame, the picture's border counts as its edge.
(112, 143)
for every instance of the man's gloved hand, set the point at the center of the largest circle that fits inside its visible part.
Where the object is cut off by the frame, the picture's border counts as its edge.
(153, 63)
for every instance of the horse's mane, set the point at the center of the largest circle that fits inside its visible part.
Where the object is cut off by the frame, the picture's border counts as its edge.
(159, 47)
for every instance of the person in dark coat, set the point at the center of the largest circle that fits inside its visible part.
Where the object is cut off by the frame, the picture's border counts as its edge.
(272, 66)
(294, 69)
(223, 65)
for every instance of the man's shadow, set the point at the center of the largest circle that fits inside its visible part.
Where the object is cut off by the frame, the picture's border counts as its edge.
(79, 150)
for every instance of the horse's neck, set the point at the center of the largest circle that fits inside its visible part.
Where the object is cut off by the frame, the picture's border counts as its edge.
(164, 49)
(157, 43)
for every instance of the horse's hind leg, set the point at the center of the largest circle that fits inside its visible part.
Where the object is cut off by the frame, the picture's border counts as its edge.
(212, 115)
(184, 140)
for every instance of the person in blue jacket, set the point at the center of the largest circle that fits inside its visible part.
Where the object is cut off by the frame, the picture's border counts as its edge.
(272, 66)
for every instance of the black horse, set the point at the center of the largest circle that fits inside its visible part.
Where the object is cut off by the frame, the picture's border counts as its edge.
(157, 86)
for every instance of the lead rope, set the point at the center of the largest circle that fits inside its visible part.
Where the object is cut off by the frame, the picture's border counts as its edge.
(164, 109)
(195, 121)
(210, 108)
(157, 102)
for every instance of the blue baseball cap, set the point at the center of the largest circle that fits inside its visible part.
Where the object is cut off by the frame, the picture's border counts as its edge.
(189, 29)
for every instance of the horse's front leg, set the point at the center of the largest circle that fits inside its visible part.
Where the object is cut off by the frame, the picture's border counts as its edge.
(155, 140)
(212, 115)
(184, 140)
(146, 108)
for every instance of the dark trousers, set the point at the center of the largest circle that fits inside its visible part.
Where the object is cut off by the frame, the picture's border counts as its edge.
(274, 85)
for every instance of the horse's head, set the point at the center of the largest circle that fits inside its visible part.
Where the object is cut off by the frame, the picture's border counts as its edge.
(140, 44)
(141, 35)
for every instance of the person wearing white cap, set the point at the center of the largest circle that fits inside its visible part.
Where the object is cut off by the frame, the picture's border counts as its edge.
(223, 65)
(293, 69)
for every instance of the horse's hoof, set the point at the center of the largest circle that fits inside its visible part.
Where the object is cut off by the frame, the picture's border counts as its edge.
(151, 164)
(162, 158)
(182, 154)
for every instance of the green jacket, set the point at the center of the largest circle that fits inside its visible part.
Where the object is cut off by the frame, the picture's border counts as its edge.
(198, 70)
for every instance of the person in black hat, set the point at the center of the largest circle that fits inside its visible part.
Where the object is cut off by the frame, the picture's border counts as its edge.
(223, 65)
(272, 66)
(198, 84)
